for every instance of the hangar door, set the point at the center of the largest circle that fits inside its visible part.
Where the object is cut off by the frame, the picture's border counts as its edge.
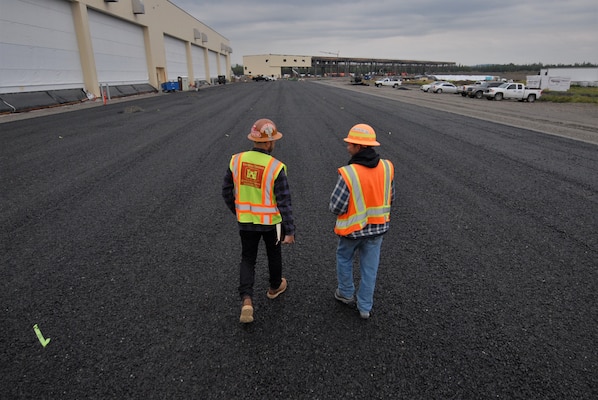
(213, 62)
(199, 63)
(176, 58)
(118, 49)
(38, 46)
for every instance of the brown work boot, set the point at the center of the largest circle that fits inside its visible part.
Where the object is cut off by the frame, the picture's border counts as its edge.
(274, 293)
(246, 311)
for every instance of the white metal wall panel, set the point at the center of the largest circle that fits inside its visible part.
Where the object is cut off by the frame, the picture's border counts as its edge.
(176, 58)
(118, 49)
(222, 65)
(213, 63)
(38, 46)
(199, 63)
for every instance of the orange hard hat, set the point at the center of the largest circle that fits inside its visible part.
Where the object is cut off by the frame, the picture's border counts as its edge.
(362, 134)
(264, 130)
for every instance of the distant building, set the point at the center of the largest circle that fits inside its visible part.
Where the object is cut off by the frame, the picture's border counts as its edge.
(276, 65)
(273, 64)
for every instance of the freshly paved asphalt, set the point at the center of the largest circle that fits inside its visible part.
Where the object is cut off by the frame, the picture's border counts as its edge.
(116, 243)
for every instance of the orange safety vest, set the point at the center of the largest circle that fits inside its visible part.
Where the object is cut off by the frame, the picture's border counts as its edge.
(254, 174)
(370, 196)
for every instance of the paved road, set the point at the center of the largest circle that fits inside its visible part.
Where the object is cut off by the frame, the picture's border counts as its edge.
(116, 243)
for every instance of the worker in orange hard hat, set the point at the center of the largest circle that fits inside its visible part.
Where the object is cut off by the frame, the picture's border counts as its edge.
(361, 200)
(362, 134)
(256, 190)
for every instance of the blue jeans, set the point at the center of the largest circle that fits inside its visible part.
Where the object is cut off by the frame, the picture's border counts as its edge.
(369, 258)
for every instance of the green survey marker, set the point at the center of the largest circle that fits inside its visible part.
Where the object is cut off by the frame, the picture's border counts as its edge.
(41, 338)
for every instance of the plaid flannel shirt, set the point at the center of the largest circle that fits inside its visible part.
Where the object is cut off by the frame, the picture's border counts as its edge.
(339, 204)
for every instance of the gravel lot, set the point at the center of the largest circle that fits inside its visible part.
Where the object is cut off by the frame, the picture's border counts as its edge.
(573, 120)
(115, 241)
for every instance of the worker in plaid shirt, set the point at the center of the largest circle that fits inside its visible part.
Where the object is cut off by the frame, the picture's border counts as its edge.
(361, 200)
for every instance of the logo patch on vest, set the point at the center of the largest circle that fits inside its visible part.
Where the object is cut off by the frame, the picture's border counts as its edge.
(251, 175)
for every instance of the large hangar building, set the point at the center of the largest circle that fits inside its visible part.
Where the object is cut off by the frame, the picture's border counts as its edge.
(65, 45)
(278, 65)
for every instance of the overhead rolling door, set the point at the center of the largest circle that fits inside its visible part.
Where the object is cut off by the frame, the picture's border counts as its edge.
(213, 63)
(176, 58)
(222, 65)
(118, 49)
(38, 46)
(199, 63)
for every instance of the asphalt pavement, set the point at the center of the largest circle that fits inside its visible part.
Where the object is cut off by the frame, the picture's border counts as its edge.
(117, 246)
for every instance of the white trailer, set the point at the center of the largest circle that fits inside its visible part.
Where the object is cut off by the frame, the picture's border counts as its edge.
(559, 79)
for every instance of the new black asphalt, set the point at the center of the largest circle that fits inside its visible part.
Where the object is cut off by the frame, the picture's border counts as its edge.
(115, 241)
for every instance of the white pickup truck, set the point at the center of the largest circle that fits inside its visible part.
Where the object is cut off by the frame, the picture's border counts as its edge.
(394, 82)
(516, 91)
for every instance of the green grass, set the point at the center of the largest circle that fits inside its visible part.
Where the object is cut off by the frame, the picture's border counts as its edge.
(576, 94)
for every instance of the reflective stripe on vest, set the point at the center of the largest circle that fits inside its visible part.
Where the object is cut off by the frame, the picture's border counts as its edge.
(254, 174)
(370, 196)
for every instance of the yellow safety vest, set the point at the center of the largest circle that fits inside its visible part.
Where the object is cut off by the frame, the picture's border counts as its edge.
(370, 196)
(254, 174)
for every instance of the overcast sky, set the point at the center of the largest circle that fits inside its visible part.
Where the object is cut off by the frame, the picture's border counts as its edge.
(468, 32)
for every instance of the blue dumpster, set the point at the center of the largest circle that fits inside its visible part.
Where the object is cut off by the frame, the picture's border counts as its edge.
(170, 86)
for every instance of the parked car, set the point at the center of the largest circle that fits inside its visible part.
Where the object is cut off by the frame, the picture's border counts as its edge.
(462, 90)
(393, 82)
(260, 78)
(477, 91)
(512, 90)
(444, 87)
(427, 86)
(270, 78)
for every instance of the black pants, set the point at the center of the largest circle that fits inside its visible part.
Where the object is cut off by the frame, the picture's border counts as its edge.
(250, 241)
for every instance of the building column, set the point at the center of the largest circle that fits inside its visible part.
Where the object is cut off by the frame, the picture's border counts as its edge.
(88, 64)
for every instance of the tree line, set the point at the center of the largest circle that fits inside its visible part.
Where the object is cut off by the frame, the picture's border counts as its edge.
(517, 67)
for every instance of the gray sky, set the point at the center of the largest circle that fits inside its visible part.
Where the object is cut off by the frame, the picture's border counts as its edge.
(467, 32)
